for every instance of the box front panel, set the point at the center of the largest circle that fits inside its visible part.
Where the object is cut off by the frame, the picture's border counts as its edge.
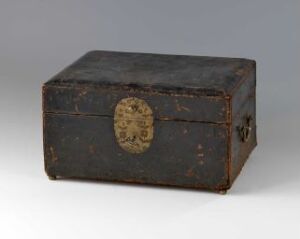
(188, 154)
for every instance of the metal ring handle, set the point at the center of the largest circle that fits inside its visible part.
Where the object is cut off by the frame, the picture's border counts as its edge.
(245, 129)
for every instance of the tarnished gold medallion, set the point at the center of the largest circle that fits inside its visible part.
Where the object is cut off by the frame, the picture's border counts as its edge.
(133, 125)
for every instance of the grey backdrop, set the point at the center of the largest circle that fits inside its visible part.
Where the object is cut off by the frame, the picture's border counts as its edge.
(39, 38)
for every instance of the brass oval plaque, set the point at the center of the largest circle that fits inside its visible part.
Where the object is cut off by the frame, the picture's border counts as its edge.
(133, 125)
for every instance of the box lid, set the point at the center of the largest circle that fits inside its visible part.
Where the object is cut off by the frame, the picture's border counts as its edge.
(199, 75)
(176, 87)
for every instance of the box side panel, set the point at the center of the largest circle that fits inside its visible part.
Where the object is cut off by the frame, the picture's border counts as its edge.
(186, 154)
(243, 113)
(242, 144)
(90, 101)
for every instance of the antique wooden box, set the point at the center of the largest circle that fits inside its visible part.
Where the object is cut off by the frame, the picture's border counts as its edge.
(174, 120)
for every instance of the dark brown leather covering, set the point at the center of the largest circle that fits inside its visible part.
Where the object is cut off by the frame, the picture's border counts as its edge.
(198, 105)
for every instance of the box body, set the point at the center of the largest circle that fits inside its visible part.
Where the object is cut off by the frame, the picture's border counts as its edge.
(202, 109)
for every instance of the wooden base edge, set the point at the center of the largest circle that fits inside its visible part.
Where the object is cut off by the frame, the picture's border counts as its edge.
(222, 192)
(52, 177)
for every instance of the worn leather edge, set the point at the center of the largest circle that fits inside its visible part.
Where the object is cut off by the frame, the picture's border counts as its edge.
(229, 159)
(130, 89)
